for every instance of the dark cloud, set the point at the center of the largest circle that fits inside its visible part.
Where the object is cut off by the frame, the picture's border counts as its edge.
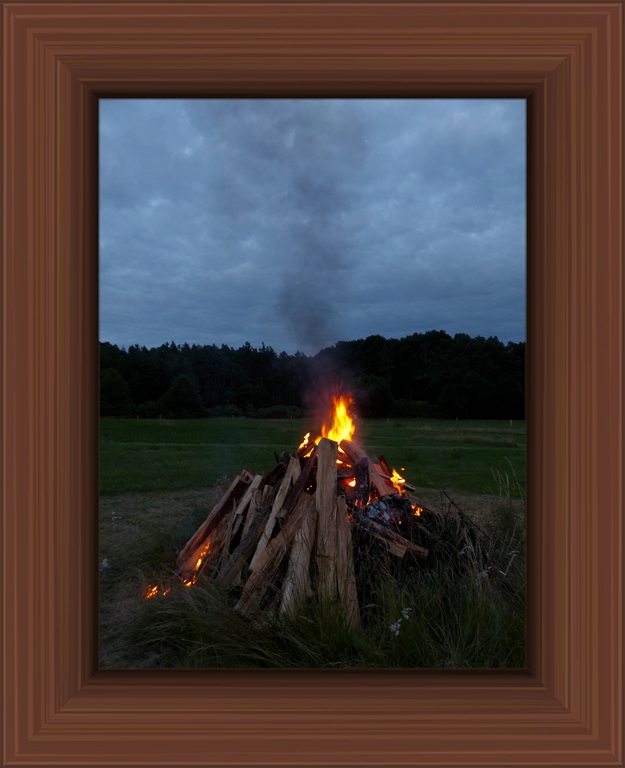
(299, 223)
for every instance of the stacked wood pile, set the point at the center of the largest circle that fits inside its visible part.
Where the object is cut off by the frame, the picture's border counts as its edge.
(284, 536)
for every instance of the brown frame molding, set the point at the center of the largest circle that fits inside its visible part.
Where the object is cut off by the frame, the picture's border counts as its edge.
(567, 707)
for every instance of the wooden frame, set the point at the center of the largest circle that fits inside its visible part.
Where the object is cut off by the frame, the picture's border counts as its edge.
(567, 707)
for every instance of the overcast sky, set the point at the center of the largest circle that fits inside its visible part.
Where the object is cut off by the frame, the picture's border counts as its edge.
(300, 223)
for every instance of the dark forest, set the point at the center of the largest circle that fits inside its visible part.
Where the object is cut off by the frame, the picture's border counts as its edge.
(428, 374)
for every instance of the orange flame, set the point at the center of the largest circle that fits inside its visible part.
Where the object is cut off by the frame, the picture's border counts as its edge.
(397, 480)
(342, 427)
(152, 591)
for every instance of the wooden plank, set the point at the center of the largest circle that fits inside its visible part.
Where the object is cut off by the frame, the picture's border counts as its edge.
(266, 491)
(225, 553)
(385, 533)
(292, 473)
(207, 552)
(245, 502)
(276, 474)
(399, 550)
(384, 464)
(305, 450)
(247, 546)
(345, 575)
(247, 496)
(353, 451)
(257, 501)
(297, 580)
(299, 486)
(387, 472)
(235, 491)
(383, 486)
(325, 497)
(270, 559)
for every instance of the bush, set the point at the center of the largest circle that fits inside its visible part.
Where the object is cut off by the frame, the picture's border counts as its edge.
(220, 411)
(148, 410)
(414, 409)
(279, 412)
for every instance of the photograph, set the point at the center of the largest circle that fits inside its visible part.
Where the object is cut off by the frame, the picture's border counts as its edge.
(312, 332)
(313, 383)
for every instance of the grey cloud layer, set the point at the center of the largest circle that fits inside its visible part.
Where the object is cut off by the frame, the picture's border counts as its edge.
(299, 223)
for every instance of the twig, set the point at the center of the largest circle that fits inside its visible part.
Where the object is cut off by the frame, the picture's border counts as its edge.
(466, 517)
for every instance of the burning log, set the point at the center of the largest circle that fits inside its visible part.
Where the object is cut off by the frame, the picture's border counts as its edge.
(383, 486)
(299, 485)
(234, 493)
(354, 452)
(207, 552)
(391, 474)
(307, 509)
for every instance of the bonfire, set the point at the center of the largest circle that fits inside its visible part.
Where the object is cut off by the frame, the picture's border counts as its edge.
(284, 536)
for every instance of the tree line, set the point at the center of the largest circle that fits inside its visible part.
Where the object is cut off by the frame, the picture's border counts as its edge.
(428, 374)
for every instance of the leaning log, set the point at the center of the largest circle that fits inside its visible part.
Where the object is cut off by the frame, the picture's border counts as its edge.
(325, 497)
(268, 563)
(297, 585)
(393, 539)
(237, 488)
(291, 475)
(345, 575)
(227, 576)
(383, 486)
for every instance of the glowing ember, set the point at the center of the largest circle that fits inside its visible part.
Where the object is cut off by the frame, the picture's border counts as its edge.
(156, 590)
(397, 480)
(352, 483)
(342, 427)
(191, 581)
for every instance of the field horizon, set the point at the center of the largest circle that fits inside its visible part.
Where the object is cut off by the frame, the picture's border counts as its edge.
(167, 455)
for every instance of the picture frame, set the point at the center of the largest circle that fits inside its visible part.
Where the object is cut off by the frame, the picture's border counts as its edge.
(566, 707)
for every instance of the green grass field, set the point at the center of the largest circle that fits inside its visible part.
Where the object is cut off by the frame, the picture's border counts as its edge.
(163, 455)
